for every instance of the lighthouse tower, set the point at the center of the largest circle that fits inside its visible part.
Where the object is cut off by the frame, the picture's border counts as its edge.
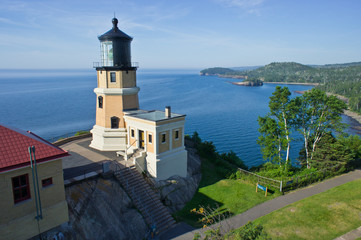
(116, 91)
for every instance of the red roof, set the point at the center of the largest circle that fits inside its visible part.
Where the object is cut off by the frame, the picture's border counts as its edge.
(14, 148)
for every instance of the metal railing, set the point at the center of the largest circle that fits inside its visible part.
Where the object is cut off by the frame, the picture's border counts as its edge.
(289, 183)
(66, 135)
(111, 64)
(264, 180)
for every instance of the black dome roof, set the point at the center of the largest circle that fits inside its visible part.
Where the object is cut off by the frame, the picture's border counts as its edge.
(114, 33)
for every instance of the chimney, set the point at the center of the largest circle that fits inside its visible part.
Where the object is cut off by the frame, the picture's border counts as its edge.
(167, 112)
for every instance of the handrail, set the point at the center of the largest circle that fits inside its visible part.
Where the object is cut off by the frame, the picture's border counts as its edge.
(138, 163)
(130, 145)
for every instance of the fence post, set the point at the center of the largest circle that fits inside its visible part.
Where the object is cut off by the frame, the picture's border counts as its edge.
(281, 186)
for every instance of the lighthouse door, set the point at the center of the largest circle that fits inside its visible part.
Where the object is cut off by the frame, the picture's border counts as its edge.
(141, 138)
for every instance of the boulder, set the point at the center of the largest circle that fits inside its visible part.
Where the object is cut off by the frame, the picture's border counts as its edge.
(176, 191)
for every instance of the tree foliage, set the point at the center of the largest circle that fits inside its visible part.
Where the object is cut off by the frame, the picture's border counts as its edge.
(276, 127)
(341, 79)
(314, 114)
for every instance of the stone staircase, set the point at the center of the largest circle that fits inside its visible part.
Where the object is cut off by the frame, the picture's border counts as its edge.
(144, 198)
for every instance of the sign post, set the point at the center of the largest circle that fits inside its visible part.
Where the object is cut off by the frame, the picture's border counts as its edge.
(262, 188)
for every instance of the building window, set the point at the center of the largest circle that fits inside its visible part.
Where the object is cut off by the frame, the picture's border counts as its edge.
(150, 138)
(163, 138)
(47, 182)
(132, 133)
(21, 189)
(114, 122)
(100, 102)
(112, 77)
(176, 135)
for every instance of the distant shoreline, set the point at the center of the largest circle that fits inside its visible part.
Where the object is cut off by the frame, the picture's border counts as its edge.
(294, 83)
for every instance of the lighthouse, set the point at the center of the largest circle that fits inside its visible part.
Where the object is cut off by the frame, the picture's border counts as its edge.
(152, 140)
(116, 90)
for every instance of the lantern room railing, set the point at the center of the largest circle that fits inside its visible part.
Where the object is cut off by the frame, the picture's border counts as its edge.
(110, 64)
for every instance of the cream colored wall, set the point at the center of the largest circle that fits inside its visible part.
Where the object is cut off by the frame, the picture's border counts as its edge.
(172, 120)
(117, 82)
(124, 79)
(163, 147)
(102, 82)
(130, 102)
(150, 146)
(139, 122)
(132, 139)
(128, 79)
(176, 143)
(100, 113)
(22, 214)
(113, 107)
(27, 226)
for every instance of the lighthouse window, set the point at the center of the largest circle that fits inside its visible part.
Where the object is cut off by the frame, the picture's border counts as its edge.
(107, 53)
(114, 122)
(112, 77)
(100, 102)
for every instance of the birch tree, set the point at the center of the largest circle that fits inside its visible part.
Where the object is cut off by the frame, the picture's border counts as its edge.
(271, 140)
(317, 114)
(281, 110)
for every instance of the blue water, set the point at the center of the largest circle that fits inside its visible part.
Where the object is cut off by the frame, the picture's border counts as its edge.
(52, 103)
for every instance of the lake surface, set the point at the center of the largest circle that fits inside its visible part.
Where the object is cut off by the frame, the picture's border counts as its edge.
(54, 103)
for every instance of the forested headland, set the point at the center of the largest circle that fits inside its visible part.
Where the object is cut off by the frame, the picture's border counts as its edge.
(342, 79)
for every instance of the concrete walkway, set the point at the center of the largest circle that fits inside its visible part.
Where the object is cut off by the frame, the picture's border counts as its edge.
(85, 162)
(352, 235)
(85, 159)
(280, 202)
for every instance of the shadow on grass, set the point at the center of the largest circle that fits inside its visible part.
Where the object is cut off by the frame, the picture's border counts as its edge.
(199, 200)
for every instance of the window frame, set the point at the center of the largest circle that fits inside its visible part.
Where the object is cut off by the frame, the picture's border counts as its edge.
(25, 187)
(46, 183)
(100, 101)
(114, 120)
(176, 134)
(132, 133)
(150, 138)
(113, 78)
(163, 138)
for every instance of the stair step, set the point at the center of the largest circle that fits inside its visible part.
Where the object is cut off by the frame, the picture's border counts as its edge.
(144, 198)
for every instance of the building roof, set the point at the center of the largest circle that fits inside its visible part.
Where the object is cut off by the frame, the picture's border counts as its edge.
(153, 115)
(14, 148)
(114, 33)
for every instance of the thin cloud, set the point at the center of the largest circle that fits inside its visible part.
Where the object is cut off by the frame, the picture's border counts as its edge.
(251, 6)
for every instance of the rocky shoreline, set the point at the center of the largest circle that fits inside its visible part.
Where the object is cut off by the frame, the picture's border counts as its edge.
(294, 83)
(246, 83)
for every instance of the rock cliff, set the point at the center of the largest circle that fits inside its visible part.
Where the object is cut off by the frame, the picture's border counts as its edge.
(176, 191)
(100, 209)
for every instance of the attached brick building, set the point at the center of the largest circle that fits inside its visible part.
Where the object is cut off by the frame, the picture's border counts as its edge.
(19, 205)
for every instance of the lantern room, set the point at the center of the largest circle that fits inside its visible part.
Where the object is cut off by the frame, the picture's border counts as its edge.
(115, 48)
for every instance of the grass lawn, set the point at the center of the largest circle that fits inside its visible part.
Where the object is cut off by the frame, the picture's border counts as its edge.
(324, 216)
(234, 196)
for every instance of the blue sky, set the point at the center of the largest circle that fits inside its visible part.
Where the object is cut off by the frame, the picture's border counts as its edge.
(181, 34)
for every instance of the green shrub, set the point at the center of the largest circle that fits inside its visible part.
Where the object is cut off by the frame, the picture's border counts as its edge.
(81, 133)
(249, 231)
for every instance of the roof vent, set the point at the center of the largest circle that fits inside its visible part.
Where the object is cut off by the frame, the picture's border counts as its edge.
(167, 112)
